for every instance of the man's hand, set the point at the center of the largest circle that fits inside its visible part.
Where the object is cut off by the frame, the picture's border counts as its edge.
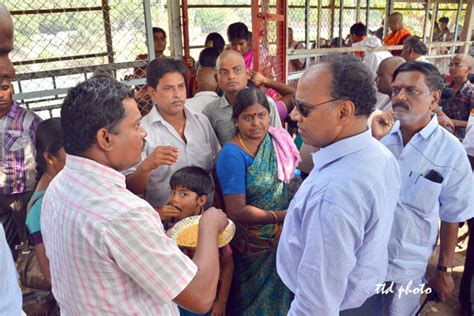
(382, 124)
(162, 155)
(168, 211)
(218, 309)
(443, 284)
(259, 79)
(213, 220)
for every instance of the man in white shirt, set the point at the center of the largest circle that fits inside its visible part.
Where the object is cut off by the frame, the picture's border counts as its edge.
(10, 293)
(436, 185)
(333, 248)
(206, 89)
(176, 138)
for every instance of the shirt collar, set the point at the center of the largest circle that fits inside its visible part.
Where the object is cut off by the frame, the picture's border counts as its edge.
(425, 132)
(341, 148)
(466, 87)
(209, 93)
(13, 110)
(100, 172)
(155, 115)
(224, 102)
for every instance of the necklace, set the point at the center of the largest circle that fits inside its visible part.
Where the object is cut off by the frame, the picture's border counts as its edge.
(46, 174)
(243, 145)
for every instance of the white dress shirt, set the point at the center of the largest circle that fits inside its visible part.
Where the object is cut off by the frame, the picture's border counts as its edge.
(422, 202)
(10, 293)
(200, 100)
(333, 248)
(200, 149)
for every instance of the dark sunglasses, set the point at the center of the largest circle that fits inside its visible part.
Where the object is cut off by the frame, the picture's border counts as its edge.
(306, 108)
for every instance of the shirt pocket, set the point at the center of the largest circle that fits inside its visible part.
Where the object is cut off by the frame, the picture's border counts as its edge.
(201, 155)
(419, 198)
(15, 140)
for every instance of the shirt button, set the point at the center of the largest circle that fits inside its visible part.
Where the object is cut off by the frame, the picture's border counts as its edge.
(401, 158)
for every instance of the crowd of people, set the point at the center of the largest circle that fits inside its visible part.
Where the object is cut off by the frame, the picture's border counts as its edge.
(91, 197)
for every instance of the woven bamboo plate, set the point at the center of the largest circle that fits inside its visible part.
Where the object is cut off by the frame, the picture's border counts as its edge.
(185, 232)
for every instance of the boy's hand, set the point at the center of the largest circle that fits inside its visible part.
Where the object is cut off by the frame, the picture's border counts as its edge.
(168, 211)
(218, 309)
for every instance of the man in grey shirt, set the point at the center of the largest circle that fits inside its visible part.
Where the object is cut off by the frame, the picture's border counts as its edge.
(232, 77)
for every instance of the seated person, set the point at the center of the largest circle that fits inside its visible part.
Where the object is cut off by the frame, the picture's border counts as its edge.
(458, 105)
(215, 40)
(240, 40)
(190, 189)
(399, 33)
(414, 50)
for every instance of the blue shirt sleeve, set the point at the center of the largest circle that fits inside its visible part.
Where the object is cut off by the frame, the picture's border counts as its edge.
(33, 217)
(231, 169)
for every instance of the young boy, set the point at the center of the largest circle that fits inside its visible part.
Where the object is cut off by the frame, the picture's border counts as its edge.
(190, 188)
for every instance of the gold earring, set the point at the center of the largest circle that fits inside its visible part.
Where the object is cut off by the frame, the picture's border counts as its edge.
(50, 161)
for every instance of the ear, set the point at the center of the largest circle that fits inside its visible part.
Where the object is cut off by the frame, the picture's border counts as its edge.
(249, 75)
(202, 200)
(47, 156)
(346, 112)
(104, 139)
(435, 97)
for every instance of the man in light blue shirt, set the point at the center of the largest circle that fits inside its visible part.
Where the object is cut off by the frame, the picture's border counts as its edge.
(333, 249)
(436, 184)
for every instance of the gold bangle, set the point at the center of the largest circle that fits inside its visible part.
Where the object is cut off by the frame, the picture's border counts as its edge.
(275, 216)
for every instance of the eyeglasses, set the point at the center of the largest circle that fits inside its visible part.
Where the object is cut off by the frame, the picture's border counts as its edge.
(457, 65)
(306, 108)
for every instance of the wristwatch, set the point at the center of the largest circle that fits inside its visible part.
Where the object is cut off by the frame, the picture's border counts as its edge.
(441, 268)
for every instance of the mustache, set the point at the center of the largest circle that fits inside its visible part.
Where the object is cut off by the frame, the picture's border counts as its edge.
(177, 100)
(401, 105)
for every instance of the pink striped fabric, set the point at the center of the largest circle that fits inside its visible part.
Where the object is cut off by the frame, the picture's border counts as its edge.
(107, 248)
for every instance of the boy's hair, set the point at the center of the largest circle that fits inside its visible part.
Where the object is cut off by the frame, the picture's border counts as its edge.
(194, 179)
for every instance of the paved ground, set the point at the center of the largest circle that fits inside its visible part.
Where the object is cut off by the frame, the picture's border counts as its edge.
(451, 307)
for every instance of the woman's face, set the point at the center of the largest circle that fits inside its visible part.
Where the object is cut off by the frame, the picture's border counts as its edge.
(240, 45)
(254, 121)
(56, 162)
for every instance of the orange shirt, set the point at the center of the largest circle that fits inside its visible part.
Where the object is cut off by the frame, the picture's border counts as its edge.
(397, 38)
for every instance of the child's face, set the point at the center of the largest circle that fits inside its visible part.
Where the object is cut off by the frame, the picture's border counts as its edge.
(187, 201)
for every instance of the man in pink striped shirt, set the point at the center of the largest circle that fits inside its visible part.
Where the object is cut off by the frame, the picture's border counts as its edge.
(107, 248)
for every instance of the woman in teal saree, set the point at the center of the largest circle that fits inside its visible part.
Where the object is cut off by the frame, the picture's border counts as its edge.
(256, 200)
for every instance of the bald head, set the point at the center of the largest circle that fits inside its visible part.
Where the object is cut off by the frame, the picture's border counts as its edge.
(384, 73)
(6, 43)
(232, 75)
(206, 80)
(395, 21)
(460, 67)
(463, 58)
(229, 54)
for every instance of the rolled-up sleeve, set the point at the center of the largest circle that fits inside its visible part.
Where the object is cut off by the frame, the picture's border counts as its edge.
(138, 244)
(331, 239)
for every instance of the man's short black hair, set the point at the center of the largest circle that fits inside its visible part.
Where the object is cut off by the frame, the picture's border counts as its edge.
(194, 179)
(415, 43)
(443, 20)
(433, 78)
(158, 30)
(208, 57)
(358, 29)
(160, 67)
(352, 80)
(91, 105)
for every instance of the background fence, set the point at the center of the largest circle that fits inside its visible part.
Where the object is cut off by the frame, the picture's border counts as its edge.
(59, 43)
